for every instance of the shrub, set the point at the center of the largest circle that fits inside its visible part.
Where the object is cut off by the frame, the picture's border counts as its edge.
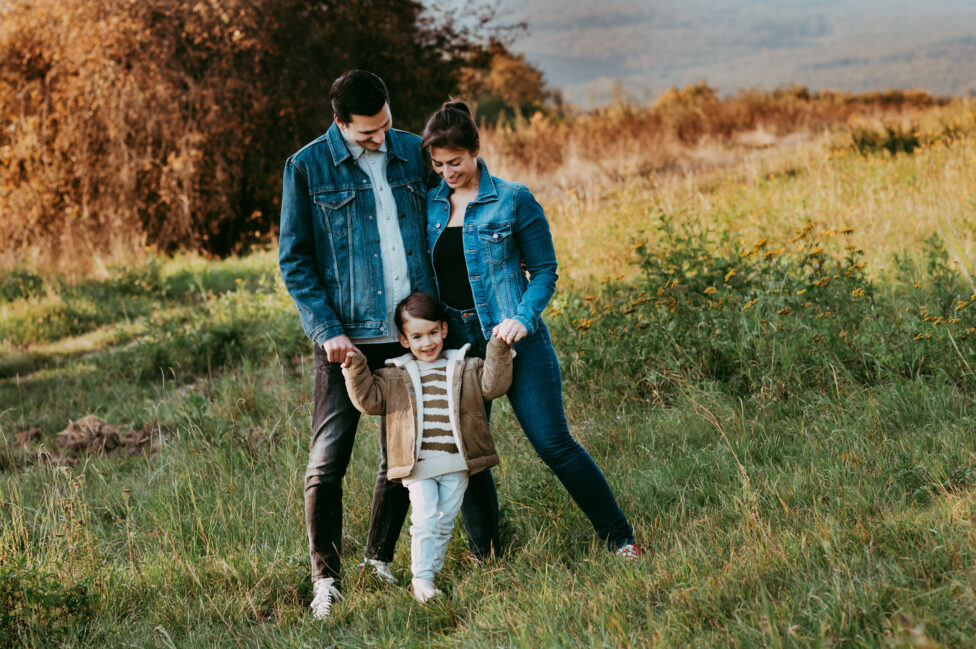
(168, 123)
(35, 605)
(770, 319)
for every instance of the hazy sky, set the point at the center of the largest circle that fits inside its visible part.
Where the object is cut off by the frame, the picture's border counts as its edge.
(583, 46)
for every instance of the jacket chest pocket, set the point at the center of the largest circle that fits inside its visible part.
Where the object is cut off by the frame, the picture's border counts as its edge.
(497, 242)
(334, 207)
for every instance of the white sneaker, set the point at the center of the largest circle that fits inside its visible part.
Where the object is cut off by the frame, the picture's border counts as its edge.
(325, 590)
(380, 569)
(630, 552)
(423, 590)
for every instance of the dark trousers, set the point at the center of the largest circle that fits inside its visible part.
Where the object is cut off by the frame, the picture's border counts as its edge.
(536, 399)
(334, 422)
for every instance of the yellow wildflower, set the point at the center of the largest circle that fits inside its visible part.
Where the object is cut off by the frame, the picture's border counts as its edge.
(961, 305)
(729, 275)
(709, 290)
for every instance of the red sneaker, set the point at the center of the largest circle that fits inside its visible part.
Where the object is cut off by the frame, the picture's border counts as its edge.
(630, 552)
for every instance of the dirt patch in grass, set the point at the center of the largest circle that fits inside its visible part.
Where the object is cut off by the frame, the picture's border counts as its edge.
(90, 435)
(83, 437)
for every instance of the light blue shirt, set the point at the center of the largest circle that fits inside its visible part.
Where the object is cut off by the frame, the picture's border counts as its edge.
(396, 276)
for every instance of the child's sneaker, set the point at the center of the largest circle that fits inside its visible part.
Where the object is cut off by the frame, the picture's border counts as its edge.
(423, 590)
(325, 590)
(380, 568)
(630, 552)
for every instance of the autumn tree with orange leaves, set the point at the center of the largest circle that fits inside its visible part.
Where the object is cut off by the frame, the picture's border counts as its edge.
(126, 123)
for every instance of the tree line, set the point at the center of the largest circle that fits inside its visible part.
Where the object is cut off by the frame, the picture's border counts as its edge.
(167, 123)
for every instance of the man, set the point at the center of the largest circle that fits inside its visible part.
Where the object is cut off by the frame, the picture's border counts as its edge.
(352, 245)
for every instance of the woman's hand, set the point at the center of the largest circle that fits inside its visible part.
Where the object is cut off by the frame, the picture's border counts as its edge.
(510, 330)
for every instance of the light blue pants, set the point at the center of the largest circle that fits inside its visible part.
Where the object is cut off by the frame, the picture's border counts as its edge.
(435, 503)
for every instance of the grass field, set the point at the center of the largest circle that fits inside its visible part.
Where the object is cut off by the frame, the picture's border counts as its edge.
(772, 363)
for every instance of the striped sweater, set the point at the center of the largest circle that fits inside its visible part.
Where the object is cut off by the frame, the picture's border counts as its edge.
(395, 391)
(437, 449)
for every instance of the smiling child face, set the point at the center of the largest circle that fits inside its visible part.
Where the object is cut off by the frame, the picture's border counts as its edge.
(424, 338)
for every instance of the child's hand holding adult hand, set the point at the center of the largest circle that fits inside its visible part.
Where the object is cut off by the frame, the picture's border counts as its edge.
(348, 360)
(510, 330)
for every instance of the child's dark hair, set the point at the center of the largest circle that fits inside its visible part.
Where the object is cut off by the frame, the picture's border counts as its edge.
(418, 305)
(453, 127)
(358, 92)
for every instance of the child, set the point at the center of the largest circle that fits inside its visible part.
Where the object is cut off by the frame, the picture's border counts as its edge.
(436, 426)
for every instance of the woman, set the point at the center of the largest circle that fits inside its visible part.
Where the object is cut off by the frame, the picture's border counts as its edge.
(480, 230)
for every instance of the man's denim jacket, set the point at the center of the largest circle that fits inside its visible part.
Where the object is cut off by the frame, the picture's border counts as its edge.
(329, 246)
(503, 226)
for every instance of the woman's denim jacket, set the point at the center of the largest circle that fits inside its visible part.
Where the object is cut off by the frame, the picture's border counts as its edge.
(503, 226)
(329, 246)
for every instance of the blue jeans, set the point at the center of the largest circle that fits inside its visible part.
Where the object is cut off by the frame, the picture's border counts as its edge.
(536, 398)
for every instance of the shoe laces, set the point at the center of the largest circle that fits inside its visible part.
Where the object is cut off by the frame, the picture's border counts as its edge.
(325, 592)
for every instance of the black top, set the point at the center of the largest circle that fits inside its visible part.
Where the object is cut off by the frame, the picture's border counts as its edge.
(452, 270)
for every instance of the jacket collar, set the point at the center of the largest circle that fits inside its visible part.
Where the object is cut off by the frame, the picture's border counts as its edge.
(486, 187)
(449, 354)
(340, 152)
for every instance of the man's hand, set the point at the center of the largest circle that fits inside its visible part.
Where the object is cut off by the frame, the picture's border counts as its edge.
(337, 348)
(510, 330)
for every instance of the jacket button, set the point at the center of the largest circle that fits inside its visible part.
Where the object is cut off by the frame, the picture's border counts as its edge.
(494, 236)
(438, 226)
(410, 252)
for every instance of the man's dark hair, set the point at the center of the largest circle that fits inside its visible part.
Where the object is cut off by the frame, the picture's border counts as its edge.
(357, 92)
(419, 305)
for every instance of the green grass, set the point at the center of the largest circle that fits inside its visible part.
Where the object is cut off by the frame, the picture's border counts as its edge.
(789, 490)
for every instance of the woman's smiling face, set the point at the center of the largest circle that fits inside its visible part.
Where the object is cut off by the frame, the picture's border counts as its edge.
(458, 167)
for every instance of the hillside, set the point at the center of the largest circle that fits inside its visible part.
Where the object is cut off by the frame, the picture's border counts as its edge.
(854, 45)
(771, 359)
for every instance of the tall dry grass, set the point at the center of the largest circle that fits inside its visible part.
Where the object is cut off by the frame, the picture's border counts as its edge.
(893, 201)
(684, 132)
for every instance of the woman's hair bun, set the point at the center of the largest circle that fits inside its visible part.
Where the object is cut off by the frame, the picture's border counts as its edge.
(451, 126)
(457, 105)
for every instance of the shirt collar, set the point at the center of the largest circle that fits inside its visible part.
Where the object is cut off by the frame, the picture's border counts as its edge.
(357, 151)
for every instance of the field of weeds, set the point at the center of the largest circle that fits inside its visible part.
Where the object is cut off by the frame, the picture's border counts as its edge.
(771, 361)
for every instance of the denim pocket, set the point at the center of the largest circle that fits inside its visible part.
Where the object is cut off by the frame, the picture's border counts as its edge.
(497, 242)
(334, 207)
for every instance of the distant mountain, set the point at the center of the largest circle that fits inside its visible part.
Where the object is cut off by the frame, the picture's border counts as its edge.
(585, 47)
